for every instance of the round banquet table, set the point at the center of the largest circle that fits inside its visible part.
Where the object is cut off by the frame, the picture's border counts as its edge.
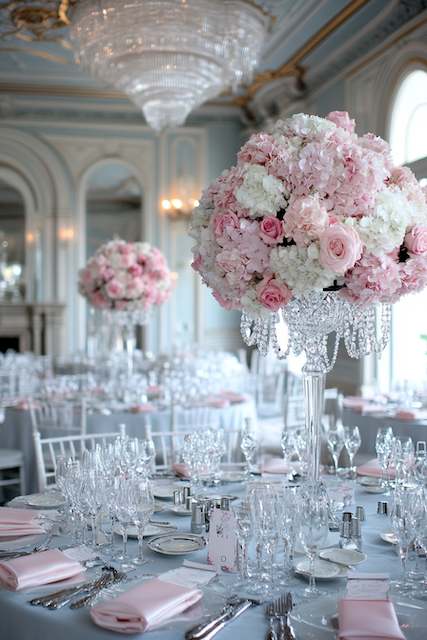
(369, 425)
(20, 621)
(16, 433)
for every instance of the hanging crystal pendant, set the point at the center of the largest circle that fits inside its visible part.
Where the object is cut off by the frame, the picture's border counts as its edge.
(314, 321)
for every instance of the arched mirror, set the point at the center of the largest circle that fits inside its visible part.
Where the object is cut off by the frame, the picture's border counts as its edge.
(12, 243)
(113, 206)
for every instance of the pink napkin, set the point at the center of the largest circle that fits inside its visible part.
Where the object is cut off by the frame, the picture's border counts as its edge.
(180, 469)
(216, 402)
(373, 469)
(357, 403)
(154, 389)
(37, 569)
(144, 606)
(368, 620)
(232, 396)
(142, 408)
(18, 522)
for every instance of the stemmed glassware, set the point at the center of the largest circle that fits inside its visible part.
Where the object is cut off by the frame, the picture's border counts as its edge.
(249, 447)
(144, 507)
(263, 499)
(402, 521)
(352, 442)
(335, 444)
(382, 446)
(313, 529)
(242, 515)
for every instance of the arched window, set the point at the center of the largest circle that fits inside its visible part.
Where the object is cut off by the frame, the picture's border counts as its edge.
(405, 362)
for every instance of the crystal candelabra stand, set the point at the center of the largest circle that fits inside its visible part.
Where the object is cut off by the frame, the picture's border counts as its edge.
(316, 323)
(123, 329)
(169, 56)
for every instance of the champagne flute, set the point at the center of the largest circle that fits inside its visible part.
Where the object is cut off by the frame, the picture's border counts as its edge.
(352, 442)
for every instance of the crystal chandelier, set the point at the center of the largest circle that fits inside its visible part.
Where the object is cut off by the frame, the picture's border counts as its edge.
(169, 56)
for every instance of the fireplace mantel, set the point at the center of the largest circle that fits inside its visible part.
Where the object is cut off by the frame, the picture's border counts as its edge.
(37, 326)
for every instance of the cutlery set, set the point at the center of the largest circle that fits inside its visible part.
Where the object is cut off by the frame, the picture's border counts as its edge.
(81, 595)
(278, 612)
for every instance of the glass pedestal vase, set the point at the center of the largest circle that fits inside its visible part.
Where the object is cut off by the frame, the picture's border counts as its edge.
(122, 340)
(315, 323)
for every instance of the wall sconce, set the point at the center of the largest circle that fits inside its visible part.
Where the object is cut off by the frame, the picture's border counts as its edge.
(66, 234)
(178, 208)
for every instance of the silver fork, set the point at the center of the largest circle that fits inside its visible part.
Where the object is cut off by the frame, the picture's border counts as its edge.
(270, 613)
(283, 607)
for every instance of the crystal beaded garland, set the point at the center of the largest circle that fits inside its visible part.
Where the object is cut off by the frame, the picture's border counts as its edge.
(311, 319)
(169, 56)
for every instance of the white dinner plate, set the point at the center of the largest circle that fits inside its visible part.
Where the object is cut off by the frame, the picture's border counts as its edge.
(164, 488)
(44, 500)
(323, 570)
(389, 537)
(369, 481)
(179, 510)
(317, 619)
(150, 530)
(233, 476)
(23, 543)
(344, 557)
(176, 544)
(374, 489)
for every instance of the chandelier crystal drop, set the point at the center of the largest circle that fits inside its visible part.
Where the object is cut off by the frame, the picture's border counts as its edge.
(169, 56)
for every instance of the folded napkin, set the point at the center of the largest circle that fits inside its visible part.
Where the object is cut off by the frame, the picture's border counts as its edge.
(9, 515)
(232, 396)
(411, 414)
(373, 469)
(145, 407)
(357, 403)
(217, 402)
(368, 620)
(144, 606)
(277, 465)
(37, 569)
(18, 522)
(180, 469)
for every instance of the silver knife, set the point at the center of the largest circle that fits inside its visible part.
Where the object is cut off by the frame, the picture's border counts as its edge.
(197, 632)
(235, 613)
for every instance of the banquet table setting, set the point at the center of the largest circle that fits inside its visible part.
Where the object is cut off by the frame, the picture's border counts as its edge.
(173, 580)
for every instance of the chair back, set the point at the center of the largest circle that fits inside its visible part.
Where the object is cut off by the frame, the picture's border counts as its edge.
(47, 451)
(58, 417)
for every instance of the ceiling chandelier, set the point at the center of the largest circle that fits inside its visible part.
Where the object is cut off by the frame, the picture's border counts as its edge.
(169, 56)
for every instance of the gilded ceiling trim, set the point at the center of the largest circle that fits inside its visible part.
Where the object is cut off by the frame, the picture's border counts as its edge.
(293, 67)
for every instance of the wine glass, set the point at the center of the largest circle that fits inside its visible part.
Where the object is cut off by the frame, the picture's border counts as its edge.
(144, 508)
(384, 434)
(248, 446)
(352, 442)
(335, 444)
(313, 530)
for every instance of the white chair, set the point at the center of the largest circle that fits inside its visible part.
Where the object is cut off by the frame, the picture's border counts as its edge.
(193, 418)
(168, 445)
(47, 451)
(12, 460)
(58, 417)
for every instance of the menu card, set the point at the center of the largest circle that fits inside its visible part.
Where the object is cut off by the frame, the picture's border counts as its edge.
(222, 542)
(367, 586)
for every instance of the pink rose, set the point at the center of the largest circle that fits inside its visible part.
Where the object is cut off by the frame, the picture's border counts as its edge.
(416, 240)
(272, 230)
(224, 221)
(114, 289)
(305, 219)
(340, 248)
(98, 300)
(135, 270)
(273, 294)
(342, 119)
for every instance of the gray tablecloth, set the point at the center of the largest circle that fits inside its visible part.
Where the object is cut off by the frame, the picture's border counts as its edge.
(369, 425)
(20, 621)
(15, 432)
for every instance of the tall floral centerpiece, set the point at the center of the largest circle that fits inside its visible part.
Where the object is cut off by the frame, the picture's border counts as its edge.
(126, 279)
(316, 227)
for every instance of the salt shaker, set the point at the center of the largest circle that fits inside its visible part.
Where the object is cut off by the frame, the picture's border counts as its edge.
(356, 533)
(198, 524)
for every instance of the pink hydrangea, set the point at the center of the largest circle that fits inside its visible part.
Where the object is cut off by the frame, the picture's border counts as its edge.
(260, 148)
(413, 274)
(305, 220)
(342, 119)
(373, 279)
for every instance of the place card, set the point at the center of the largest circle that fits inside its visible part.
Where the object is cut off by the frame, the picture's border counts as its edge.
(188, 577)
(367, 586)
(222, 542)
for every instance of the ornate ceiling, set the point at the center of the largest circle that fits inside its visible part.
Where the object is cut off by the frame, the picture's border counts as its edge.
(310, 40)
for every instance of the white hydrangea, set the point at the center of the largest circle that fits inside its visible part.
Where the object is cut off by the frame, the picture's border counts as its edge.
(199, 219)
(260, 193)
(300, 269)
(302, 124)
(384, 230)
(250, 304)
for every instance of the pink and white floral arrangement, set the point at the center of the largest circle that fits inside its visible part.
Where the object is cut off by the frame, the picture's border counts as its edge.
(126, 276)
(311, 206)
